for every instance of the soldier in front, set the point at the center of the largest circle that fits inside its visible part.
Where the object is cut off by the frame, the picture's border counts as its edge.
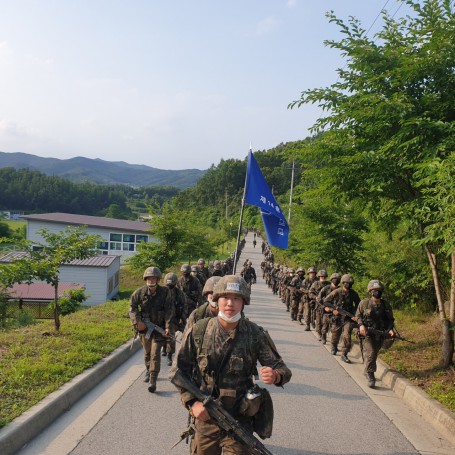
(219, 355)
(151, 312)
(374, 313)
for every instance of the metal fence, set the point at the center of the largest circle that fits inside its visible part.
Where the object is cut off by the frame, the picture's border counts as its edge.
(39, 310)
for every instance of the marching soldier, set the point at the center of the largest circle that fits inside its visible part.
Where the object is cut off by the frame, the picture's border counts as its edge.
(344, 298)
(209, 309)
(313, 293)
(152, 305)
(305, 305)
(191, 286)
(179, 300)
(229, 345)
(374, 313)
(335, 279)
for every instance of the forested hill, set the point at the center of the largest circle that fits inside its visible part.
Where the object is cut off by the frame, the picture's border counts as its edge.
(82, 169)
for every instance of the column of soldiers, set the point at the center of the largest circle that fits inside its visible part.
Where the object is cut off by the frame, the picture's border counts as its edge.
(333, 306)
(159, 311)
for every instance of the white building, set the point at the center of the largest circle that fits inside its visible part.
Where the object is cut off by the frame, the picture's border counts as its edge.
(120, 237)
(99, 275)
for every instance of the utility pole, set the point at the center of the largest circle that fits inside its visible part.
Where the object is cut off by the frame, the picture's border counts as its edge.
(292, 187)
(225, 195)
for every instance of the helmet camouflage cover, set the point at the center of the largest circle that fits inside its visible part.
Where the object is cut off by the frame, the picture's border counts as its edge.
(171, 278)
(210, 284)
(347, 279)
(311, 270)
(151, 272)
(322, 272)
(185, 268)
(375, 285)
(232, 284)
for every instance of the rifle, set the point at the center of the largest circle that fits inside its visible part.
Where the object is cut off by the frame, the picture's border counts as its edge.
(386, 334)
(340, 310)
(151, 327)
(220, 416)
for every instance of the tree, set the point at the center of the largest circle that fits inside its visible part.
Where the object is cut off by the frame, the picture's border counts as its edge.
(390, 115)
(169, 229)
(42, 261)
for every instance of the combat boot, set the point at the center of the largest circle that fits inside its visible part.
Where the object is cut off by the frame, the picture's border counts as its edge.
(307, 328)
(334, 350)
(300, 320)
(163, 353)
(152, 386)
(147, 376)
(324, 338)
(169, 359)
(371, 380)
(345, 358)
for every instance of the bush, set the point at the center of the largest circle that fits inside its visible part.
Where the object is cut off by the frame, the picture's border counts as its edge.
(72, 302)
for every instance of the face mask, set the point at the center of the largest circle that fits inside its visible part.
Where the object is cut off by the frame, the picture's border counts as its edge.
(346, 285)
(377, 294)
(230, 320)
(336, 281)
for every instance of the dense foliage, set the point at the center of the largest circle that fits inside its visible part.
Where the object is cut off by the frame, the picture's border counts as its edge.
(32, 191)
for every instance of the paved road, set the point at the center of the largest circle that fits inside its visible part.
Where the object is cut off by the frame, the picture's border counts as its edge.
(325, 409)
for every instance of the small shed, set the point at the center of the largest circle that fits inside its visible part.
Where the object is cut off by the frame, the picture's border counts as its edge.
(37, 296)
(99, 275)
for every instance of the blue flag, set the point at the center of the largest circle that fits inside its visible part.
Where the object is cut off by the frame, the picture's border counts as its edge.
(258, 193)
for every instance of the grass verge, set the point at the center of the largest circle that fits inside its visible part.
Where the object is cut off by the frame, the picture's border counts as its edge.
(419, 362)
(36, 360)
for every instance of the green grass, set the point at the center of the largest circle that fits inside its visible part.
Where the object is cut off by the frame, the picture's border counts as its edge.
(36, 360)
(419, 362)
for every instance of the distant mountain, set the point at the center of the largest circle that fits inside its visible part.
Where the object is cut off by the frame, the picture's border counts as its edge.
(81, 169)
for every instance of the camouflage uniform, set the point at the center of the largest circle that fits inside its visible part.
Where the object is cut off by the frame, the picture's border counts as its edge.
(294, 285)
(249, 274)
(342, 326)
(379, 316)
(231, 383)
(192, 288)
(180, 302)
(313, 293)
(305, 306)
(159, 309)
(326, 316)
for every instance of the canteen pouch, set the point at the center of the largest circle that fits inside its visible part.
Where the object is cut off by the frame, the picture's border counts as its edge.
(263, 419)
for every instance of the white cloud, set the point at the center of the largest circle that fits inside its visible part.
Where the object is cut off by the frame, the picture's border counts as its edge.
(266, 25)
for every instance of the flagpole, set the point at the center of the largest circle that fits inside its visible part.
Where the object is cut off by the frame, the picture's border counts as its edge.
(241, 215)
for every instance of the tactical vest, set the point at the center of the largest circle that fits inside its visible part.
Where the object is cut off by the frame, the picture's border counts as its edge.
(202, 335)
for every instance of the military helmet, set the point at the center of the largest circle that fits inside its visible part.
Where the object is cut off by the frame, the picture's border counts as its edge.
(375, 285)
(232, 284)
(194, 268)
(300, 269)
(291, 271)
(347, 279)
(171, 278)
(311, 270)
(335, 276)
(151, 271)
(185, 268)
(323, 272)
(201, 261)
(210, 284)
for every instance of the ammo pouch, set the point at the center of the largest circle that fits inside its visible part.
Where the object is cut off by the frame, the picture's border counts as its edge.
(263, 420)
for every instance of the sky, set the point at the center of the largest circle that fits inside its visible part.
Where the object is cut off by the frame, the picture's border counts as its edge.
(170, 84)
